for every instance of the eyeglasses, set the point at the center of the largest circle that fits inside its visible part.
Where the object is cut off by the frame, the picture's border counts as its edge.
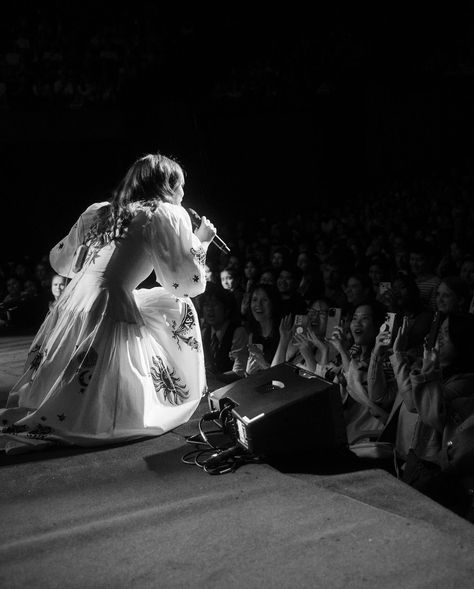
(317, 313)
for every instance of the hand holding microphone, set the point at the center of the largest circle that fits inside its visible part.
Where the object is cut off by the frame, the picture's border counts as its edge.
(206, 232)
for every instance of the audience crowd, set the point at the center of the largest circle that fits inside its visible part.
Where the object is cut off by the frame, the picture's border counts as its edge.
(56, 55)
(374, 293)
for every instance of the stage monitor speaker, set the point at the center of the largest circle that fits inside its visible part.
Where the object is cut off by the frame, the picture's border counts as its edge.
(283, 410)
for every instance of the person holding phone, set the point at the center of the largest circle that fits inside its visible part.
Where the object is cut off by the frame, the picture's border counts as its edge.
(439, 390)
(263, 327)
(308, 348)
(404, 299)
(364, 418)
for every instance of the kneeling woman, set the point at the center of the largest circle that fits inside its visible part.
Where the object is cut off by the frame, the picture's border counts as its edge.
(111, 363)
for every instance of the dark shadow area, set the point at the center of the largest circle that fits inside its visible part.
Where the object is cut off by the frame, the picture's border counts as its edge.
(60, 452)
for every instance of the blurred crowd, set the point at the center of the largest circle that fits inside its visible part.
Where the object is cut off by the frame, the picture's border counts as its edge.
(57, 55)
(374, 293)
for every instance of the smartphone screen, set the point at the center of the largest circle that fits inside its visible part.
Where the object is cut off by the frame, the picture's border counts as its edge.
(391, 325)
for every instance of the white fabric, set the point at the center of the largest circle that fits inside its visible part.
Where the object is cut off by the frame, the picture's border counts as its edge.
(111, 363)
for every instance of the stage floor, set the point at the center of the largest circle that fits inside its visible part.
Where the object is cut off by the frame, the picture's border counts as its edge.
(134, 515)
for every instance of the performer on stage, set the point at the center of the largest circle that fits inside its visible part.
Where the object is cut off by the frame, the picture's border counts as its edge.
(111, 363)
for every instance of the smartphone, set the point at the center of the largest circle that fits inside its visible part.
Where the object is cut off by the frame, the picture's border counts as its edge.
(334, 319)
(300, 324)
(434, 330)
(384, 286)
(391, 325)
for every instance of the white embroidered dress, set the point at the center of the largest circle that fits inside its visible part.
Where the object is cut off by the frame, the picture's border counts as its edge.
(111, 363)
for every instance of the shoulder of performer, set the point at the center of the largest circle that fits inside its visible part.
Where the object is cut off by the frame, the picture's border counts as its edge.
(176, 215)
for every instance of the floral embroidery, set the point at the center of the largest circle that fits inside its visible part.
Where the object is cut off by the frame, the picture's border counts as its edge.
(60, 246)
(199, 254)
(181, 331)
(196, 278)
(175, 285)
(167, 383)
(61, 417)
(87, 361)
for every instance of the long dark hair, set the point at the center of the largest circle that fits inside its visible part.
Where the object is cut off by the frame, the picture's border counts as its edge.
(275, 300)
(150, 180)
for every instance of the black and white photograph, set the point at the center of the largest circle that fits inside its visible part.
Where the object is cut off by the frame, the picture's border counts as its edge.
(236, 295)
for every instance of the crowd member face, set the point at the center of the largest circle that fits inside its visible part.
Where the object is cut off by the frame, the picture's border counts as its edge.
(29, 288)
(331, 275)
(267, 278)
(318, 317)
(355, 291)
(467, 273)
(234, 262)
(58, 284)
(303, 262)
(41, 272)
(208, 273)
(285, 282)
(400, 293)
(447, 351)
(21, 271)
(362, 326)
(261, 306)
(250, 270)
(227, 280)
(214, 312)
(447, 300)
(375, 274)
(13, 287)
(418, 264)
(277, 260)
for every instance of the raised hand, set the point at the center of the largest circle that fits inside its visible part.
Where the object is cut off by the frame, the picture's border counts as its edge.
(302, 342)
(318, 342)
(430, 359)
(382, 342)
(285, 327)
(337, 339)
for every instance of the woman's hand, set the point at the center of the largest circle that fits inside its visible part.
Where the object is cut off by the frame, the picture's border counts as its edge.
(382, 342)
(256, 356)
(319, 343)
(430, 359)
(285, 327)
(301, 342)
(206, 231)
(337, 339)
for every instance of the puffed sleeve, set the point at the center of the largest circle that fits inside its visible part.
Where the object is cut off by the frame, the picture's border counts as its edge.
(63, 254)
(176, 253)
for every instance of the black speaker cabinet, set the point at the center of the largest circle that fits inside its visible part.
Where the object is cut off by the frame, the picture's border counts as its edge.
(281, 411)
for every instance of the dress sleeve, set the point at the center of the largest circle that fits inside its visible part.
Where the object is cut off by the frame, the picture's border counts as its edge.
(176, 253)
(63, 254)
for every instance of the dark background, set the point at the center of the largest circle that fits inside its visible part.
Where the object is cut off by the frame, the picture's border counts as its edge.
(265, 110)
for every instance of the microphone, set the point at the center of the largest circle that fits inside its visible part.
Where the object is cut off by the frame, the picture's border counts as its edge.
(217, 241)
